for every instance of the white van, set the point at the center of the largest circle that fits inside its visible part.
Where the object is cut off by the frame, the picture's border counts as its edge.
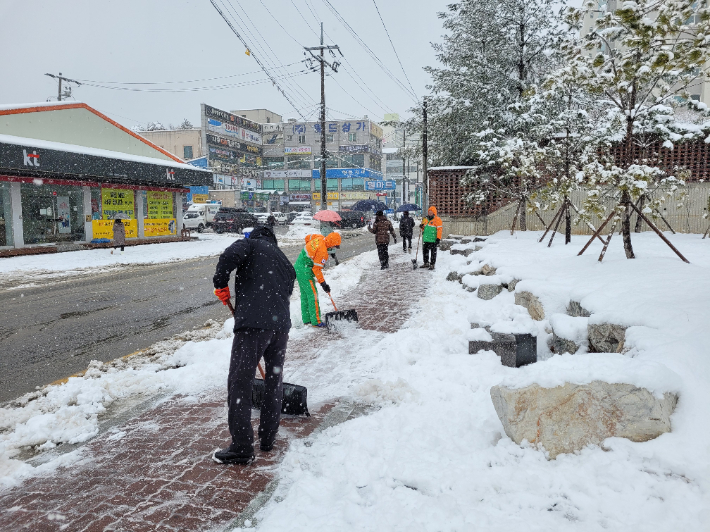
(200, 214)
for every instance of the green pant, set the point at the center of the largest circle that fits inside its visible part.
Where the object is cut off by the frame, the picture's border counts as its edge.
(310, 309)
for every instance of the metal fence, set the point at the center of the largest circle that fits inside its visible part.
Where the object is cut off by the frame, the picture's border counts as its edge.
(683, 214)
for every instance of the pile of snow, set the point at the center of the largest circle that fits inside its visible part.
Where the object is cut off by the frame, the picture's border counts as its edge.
(189, 364)
(433, 456)
(31, 268)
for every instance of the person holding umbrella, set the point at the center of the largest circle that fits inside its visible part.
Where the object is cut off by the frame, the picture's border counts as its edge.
(382, 229)
(431, 236)
(406, 230)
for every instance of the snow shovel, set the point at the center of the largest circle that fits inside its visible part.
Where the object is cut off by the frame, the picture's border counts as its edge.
(339, 315)
(295, 397)
(414, 260)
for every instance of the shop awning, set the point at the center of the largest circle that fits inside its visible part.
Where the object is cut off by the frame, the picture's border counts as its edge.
(39, 158)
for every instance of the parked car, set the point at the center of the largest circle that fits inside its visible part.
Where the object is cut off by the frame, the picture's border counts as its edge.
(194, 220)
(231, 220)
(351, 219)
(304, 219)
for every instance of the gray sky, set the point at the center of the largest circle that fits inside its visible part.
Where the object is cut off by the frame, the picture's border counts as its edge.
(178, 40)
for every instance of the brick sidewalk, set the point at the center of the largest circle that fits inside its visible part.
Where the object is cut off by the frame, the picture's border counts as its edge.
(156, 473)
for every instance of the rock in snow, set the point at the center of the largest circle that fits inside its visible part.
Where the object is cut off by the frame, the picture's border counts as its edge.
(445, 245)
(562, 345)
(576, 310)
(454, 276)
(606, 337)
(570, 417)
(489, 291)
(532, 303)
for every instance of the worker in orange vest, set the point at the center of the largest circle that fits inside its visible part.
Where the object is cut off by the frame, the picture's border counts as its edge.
(309, 267)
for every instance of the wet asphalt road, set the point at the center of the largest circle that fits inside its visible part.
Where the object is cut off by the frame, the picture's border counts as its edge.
(55, 330)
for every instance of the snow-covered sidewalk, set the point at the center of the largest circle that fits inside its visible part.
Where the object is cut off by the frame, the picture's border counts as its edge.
(432, 453)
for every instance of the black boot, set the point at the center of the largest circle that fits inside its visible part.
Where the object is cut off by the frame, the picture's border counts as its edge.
(425, 265)
(228, 456)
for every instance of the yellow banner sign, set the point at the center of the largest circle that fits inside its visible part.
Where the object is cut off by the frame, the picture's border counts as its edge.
(160, 205)
(376, 130)
(117, 201)
(165, 227)
(200, 198)
(331, 196)
(104, 228)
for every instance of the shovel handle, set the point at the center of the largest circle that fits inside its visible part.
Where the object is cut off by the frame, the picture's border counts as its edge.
(331, 300)
(258, 365)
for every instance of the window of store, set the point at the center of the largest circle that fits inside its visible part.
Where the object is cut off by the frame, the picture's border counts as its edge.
(52, 213)
(352, 137)
(298, 162)
(358, 184)
(273, 184)
(301, 139)
(6, 236)
(329, 138)
(332, 184)
(299, 185)
(96, 203)
(274, 162)
(187, 152)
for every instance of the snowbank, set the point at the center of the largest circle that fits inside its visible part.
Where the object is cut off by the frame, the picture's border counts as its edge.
(433, 456)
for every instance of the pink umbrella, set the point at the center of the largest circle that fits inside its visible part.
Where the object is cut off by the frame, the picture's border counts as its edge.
(327, 216)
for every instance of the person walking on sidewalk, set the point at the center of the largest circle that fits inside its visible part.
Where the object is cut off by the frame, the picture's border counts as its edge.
(406, 230)
(309, 268)
(263, 285)
(431, 236)
(382, 228)
(119, 235)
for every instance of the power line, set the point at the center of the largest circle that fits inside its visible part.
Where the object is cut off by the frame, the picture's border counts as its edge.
(258, 61)
(179, 82)
(256, 37)
(393, 48)
(367, 48)
(198, 89)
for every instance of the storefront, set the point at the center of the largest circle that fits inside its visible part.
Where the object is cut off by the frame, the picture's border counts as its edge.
(54, 193)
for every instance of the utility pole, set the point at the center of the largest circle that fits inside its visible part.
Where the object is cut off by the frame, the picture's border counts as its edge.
(425, 162)
(323, 153)
(67, 92)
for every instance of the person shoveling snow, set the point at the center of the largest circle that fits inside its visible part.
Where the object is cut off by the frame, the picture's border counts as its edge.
(309, 266)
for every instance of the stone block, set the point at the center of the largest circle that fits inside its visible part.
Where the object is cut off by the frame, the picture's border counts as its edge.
(454, 276)
(488, 270)
(489, 291)
(606, 337)
(514, 350)
(531, 303)
(445, 245)
(464, 252)
(567, 418)
(561, 345)
(512, 284)
(576, 310)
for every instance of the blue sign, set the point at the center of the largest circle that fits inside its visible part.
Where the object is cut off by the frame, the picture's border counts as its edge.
(346, 173)
(380, 185)
(197, 190)
(200, 163)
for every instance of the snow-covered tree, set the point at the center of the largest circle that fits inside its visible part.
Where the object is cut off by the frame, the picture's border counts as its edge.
(492, 54)
(185, 124)
(639, 59)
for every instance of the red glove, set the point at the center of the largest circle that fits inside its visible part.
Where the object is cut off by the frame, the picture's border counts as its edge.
(223, 294)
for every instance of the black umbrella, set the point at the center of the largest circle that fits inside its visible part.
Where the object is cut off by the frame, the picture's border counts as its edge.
(408, 207)
(368, 205)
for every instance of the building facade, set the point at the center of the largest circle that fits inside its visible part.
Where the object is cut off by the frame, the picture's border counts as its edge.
(185, 144)
(66, 171)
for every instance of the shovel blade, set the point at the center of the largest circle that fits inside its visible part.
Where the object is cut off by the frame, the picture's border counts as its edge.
(341, 315)
(295, 398)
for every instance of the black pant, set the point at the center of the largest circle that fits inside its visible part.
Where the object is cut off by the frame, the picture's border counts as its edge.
(384, 254)
(114, 247)
(404, 241)
(248, 347)
(429, 246)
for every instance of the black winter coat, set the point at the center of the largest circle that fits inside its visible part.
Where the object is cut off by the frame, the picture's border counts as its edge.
(263, 281)
(406, 226)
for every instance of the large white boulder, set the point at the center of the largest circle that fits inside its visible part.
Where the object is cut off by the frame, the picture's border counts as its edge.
(567, 418)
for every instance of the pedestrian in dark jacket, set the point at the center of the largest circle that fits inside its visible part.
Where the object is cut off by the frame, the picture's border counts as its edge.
(406, 230)
(263, 284)
(119, 235)
(382, 228)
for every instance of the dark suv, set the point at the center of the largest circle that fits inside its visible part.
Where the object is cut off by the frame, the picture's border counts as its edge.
(231, 220)
(351, 219)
